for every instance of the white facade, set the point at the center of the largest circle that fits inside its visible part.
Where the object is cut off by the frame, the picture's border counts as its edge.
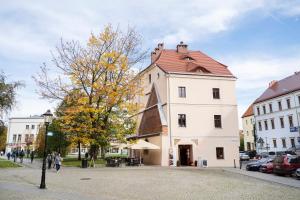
(22, 132)
(199, 107)
(278, 127)
(248, 129)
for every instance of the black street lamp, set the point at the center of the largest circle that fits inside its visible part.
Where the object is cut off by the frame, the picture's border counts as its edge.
(47, 119)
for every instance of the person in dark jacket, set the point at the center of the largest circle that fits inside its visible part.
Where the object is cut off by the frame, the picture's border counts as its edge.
(8, 156)
(49, 159)
(22, 154)
(31, 156)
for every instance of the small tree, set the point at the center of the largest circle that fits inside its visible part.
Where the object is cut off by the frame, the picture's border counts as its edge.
(3, 135)
(40, 141)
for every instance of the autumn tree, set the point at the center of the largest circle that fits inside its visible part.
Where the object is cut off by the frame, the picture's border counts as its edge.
(3, 135)
(98, 80)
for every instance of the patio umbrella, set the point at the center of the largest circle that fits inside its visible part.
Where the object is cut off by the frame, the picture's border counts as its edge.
(142, 144)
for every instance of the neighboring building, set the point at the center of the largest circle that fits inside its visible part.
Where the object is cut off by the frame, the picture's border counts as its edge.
(242, 146)
(189, 109)
(248, 129)
(277, 115)
(22, 132)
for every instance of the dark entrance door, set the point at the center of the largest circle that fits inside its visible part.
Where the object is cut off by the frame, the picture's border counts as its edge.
(185, 154)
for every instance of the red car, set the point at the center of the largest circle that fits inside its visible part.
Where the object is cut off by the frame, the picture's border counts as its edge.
(266, 168)
(286, 164)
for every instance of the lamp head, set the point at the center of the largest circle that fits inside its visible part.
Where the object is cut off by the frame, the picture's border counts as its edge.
(48, 116)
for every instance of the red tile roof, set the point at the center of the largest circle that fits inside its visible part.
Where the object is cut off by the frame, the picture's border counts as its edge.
(249, 111)
(282, 87)
(172, 61)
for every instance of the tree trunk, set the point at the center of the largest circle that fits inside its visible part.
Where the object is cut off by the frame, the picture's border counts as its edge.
(79, 151)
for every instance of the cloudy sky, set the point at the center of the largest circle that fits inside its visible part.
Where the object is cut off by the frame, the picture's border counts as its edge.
(259, 40)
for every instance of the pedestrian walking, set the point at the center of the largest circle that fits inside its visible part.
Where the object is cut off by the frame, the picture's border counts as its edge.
(14, 155)
(31, 156)
(49, 159)
(22, 154)
(8, 155)
(1, 153)
(58, 160)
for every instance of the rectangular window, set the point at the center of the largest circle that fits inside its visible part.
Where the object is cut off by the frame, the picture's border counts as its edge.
(14, 138)
(149, 78)
(272, 124)
(258, 111)
(291, 121)
(216, 93)
(181, 92)
(279, 105)
(283, 143)
(288, 103)
(293, 142)
(31, 137)
(274, 143)
(246, 122)
(218, 121)
(259, 126)
(299, 100)
(266, 125)
(220, 152)
(26, 137)
(281, 122)
(27, 126)
(32, 126)
(264, 109)
(270, 108)
(181, 120)
(19, 137)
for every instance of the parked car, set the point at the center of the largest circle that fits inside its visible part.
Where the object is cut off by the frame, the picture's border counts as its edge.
(244, 156)
(267, 167)
(254, 166)
(298, 173)
(286, 164)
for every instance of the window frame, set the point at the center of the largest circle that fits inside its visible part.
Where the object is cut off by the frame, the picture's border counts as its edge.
(258, 110)
(272, 123)
(293, 144)
(291, 121)
(288, 103)
(266, 125)
(216, 93)
(283, 141)
(216, 121)
(27, 126)
(264, 109)
(149, 78)
(181, 91)
(259, 126)
(279, 105)
(270, 107)
(274, 143)
(281, 120)
(220, 153)
(182, 120)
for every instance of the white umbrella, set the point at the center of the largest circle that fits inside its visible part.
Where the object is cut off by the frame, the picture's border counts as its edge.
(142, 144)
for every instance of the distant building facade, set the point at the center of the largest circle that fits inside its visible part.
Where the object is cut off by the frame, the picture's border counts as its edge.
(248, 129)
(189, 109)
(22, 132)
(277, 114)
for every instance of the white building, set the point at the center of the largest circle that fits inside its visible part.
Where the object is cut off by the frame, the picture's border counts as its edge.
(248, 129)
(22, 132)
(189, 109)
(277, 114)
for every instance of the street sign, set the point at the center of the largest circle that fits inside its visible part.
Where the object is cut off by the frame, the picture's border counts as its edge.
(50, 133)
(294, 129)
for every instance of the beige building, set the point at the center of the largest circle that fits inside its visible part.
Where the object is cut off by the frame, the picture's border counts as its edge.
(248, 129)
(189, 109)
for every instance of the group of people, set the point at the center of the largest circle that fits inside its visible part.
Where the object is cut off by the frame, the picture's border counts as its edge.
(15, 154)
(54, 160)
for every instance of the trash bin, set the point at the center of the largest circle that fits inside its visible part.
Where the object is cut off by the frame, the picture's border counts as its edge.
(84, 163)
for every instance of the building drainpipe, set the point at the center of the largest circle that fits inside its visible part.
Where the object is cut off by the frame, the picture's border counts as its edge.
(169, 113)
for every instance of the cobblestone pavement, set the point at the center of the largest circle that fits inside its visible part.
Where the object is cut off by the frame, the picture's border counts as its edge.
(141, 183)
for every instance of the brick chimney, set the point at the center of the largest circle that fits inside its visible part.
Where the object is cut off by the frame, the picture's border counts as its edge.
(155, 54)
(182, 48)
(272, 83)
